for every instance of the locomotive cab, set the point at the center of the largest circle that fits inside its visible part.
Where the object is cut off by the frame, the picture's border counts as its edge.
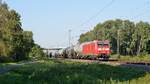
(103, 49)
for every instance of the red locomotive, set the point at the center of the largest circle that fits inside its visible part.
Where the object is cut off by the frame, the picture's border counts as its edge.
(93, 49)
(98, 49)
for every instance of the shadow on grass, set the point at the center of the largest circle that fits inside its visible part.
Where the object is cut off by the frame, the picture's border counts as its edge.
(65, 72)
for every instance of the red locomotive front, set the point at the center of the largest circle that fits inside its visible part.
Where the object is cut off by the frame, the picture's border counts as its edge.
(97, 48)
(103, 49)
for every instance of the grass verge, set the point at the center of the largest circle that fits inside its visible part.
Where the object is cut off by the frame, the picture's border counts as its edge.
(66, 72)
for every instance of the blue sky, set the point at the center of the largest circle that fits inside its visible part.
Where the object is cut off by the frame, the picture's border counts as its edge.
(50, 20)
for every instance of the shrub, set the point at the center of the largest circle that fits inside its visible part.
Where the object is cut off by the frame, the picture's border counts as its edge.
(36, 52)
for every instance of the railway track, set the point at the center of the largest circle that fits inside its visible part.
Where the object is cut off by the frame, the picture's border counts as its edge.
(111, 62)
(145, 66)
(139, 63)
(127, 62)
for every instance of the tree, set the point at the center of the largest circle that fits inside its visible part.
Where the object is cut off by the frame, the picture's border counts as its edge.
(133, 38)
(141, 36)
(15, 43)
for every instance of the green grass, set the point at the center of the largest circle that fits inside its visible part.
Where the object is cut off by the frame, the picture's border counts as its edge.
(67, 72)
(140, 58)
(135, 58)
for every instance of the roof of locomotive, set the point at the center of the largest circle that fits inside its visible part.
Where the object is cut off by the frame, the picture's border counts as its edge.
(96, 41)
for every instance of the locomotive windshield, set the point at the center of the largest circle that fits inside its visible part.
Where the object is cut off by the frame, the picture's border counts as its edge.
(100, 43)
(103, 44)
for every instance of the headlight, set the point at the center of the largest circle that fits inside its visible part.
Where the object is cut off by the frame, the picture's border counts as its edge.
(100, 49)
(106, 48)
(103, 49)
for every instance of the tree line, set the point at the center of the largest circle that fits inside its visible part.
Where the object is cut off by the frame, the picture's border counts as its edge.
(127, 37)
(15, 43)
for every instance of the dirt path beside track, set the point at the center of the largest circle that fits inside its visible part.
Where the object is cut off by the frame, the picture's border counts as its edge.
(10, 67)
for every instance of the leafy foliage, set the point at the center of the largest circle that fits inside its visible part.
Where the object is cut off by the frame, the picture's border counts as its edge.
(134, 38)
(36, 52)
(15, 43)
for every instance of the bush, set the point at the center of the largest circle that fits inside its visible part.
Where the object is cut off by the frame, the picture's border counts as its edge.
(36, 52)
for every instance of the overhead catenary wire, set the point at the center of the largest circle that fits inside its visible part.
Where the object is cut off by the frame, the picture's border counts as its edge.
(99, 12)
(142, 13)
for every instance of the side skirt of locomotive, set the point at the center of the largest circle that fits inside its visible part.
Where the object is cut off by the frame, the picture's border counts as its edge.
(93, 57)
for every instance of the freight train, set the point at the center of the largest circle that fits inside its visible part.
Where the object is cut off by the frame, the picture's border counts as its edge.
(93, 50)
